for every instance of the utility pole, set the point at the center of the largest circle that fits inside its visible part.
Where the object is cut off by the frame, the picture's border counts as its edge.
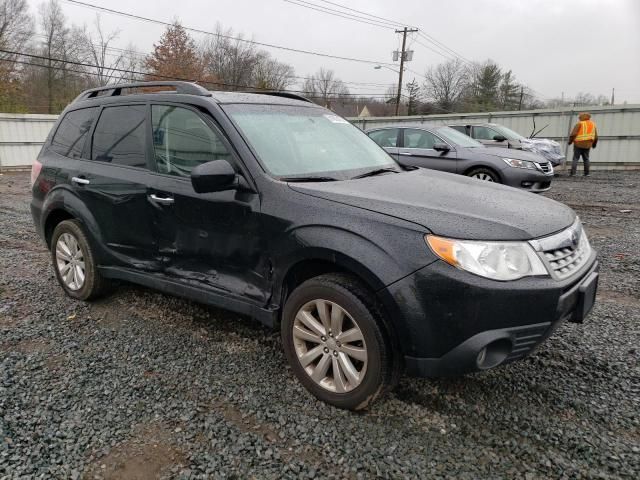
(613, 95)
(403, 53)
(521, 95)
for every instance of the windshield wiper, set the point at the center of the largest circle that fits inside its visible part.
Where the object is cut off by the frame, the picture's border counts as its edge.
(373, 173)
(308, 179)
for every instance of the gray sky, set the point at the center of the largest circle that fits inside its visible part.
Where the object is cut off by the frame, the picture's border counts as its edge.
(552, 46)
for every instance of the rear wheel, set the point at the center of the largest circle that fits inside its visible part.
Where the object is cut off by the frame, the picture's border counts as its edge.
(74, 262)
(335, 343)
(485, 174)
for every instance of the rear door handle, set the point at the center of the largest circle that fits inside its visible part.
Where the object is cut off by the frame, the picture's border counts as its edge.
(406, 154)
(80, 181)
(161, 200)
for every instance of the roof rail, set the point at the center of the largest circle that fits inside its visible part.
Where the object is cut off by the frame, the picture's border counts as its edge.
(187, 88)
(293, 96)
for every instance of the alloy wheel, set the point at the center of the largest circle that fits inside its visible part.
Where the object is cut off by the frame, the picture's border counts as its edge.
(70, 261)
(482, 176)
(330, 346)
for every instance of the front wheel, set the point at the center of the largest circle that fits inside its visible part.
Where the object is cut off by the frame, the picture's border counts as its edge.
(335, 343)
(484, 174)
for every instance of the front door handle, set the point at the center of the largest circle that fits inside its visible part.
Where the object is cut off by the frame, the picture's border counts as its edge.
(80, 181)
(161, 200)
(406, 154)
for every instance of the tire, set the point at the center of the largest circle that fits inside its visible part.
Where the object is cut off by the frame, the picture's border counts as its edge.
(70, 251)
(485, 174)
(377, 370)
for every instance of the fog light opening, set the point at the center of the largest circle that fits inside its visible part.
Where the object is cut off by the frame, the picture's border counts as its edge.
(493, 354)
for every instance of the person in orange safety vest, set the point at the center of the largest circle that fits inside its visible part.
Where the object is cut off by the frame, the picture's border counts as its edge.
(584, 137)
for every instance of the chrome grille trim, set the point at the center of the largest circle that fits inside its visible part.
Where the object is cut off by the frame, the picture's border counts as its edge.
(564, 253)
(546, 168)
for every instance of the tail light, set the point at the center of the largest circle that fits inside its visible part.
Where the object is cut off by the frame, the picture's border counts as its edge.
(35, 172)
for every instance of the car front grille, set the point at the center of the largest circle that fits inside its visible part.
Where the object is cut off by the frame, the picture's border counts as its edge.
(546, 167)
(566, 252)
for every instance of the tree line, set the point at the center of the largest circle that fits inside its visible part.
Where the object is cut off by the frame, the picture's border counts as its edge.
(46, 61)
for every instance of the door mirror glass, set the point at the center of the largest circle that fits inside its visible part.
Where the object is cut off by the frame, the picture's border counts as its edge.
(499, 138)
(441, 147)
(214, 176)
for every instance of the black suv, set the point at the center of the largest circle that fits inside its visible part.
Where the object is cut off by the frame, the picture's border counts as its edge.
(273, 207)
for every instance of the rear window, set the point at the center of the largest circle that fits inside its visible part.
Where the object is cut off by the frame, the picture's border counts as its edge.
(72, 132)
(119, 137)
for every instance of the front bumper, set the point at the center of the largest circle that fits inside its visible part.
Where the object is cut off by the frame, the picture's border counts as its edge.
(451, 316)
(530, 180)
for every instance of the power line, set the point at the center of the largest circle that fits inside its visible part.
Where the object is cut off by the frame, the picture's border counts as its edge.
(143, 56)
(392, 22)
(337, 13)
(239, 39)
(133, 72)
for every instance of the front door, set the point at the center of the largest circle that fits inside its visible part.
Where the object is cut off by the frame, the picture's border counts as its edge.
(389, 139)
(486, 136)
(417, 150)
(211, 240)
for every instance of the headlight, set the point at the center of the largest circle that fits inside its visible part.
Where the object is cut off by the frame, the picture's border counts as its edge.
(495, 260)
(512, 162)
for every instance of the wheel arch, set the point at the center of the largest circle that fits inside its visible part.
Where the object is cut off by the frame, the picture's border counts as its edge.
(486, 167)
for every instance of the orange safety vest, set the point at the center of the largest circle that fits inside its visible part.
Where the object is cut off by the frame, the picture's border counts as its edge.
(586, 131)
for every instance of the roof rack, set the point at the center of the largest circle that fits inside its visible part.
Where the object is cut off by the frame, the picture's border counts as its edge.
(293, 96)
(187, 88)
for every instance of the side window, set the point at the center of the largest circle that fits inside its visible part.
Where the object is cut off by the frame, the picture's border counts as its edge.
(72, 132)
(385, 138)
(419, 139)
(182, 141)
(119, 137)
(484, 133)
(460, 128)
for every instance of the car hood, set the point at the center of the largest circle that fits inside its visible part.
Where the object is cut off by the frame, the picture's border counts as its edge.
(511, 153)
(450, 205)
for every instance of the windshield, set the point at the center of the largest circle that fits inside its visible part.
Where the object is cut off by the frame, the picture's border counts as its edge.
(458, 138)
(304, 141)
(508, 133)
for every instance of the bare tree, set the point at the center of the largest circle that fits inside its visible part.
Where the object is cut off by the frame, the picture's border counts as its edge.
(231, 61)
(324, 87)
(16, 28)
(271, 74)
(107, 64)
(446, 83)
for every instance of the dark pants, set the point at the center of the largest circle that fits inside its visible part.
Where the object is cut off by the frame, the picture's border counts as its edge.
(577, 153)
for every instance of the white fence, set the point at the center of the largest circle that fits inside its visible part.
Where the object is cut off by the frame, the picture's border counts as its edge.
(618, 128)
(22, 135)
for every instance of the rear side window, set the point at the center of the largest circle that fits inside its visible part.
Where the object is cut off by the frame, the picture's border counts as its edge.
(182, 141)
(119, 136)
(72, 132)
(460, 128)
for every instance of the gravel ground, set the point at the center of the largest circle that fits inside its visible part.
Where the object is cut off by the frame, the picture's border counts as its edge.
(142, 385)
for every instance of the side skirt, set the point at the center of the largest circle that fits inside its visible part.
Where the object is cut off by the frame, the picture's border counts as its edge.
(201, 295)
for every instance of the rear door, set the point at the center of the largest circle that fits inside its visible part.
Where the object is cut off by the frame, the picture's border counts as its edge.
(417, 150)
(213, 240)
(112, 183)
(389, 139)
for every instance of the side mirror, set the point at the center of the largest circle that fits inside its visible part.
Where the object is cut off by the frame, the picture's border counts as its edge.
(214, 176)
(441, 147)
(499, 138)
